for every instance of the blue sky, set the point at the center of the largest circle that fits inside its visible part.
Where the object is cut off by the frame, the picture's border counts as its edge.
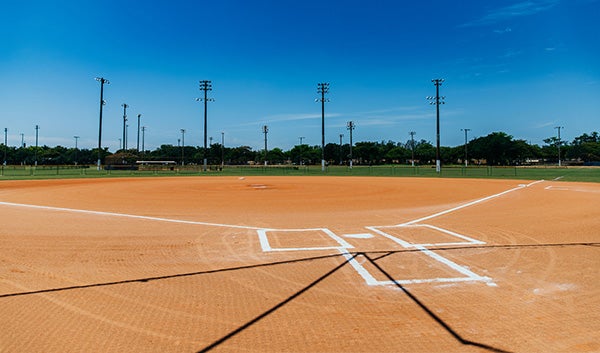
(521, 66)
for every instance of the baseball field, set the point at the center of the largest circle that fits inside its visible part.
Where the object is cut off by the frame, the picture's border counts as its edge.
(299, 264)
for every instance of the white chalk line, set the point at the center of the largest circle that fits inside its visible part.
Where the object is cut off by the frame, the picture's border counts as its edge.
(418, 220)
(124, 215)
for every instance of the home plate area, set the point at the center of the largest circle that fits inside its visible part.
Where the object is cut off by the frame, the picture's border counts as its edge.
(414, 263)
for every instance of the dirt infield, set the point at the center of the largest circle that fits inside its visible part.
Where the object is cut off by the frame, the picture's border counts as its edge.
(299, 264)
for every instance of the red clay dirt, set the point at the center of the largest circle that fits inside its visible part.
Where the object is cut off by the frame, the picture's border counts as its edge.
(299, 264)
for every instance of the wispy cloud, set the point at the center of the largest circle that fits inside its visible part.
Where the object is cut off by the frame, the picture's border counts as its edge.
(287, 118)
(544, 125)
(503, 31)
(520, 9)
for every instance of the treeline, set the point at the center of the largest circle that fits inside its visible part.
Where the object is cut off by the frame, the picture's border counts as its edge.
(497, 148)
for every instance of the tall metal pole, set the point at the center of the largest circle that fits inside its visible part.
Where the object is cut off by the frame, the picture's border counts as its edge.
(301, 138)
(265, 131)
(182, 146)
(143, 136)
(222, 149)
(437, 100)
(102, 81)
(466, 155)
(138, 134)
(412, 145)
(322, 88)
(205, 85)
(341, 156)
(37, 129)
(124, 105)
(350, 126)
(22, 140)
(76, 138)
(559, 143)
(5, 143)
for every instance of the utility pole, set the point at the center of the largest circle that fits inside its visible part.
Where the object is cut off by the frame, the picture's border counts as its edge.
(341, 156)
(125, 106)
(350, 126)
(265, 131)
(205, 86)
(102, 81)
(143, 135)
(37, 129)
(322, 88)
(138, 134)
(466, 155)
(222, 149)
(437, 100)
(412, 145)
(5, 143)
(559, 143)
(76, 138)
(182, 146)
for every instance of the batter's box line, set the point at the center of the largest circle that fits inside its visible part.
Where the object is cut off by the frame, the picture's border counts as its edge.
(469, 276)
(266, 246)
(406, 244)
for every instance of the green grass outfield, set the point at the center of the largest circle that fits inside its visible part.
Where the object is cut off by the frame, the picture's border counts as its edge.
(586, 174)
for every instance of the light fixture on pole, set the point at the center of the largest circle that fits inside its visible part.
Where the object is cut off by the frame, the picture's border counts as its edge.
(466, 155)
(265, 131)
(412, 147)
(102, 81)
(322, 88)
(350, 126)
(437, 100)
(558, 142)
(205, 86)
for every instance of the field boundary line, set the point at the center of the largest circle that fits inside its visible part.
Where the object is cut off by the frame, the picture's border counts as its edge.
(125, 215)
(468, 204)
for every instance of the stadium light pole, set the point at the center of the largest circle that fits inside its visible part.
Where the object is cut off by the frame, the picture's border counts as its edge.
(412, 147)
(265, 131)
(138, 134)
(350, 126)
(37, 129)
(182, 146)
(466, 155)
(322, 88)
(125, 106)
(143, 136)
(5, 143)
(222, 149)
(558, 143)
(76, 138)
(341, 155)
(437, 100)
(205, 85)
(102, 81)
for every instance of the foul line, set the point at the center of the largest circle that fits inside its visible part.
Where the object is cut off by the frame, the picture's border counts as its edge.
(469, 204)
(148, 218)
